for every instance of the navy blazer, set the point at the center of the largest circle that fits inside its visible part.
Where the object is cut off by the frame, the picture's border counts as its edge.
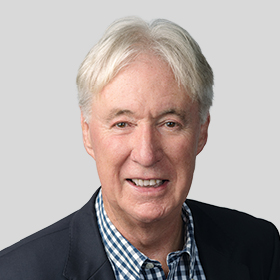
(231, 245)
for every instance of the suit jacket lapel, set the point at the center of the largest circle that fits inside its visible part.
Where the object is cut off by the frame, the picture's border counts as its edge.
(216, 250)
(218, 265)
(87, 258)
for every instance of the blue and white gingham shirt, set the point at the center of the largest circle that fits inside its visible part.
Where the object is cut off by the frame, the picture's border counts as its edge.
(130, 264)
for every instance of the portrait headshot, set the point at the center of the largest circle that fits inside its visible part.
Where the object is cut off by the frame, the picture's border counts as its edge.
(140, 141)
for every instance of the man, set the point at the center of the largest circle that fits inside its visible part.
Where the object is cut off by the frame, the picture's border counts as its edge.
(145, 91)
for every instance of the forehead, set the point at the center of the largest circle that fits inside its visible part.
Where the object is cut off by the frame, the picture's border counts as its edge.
(145, 72)
(148, 82)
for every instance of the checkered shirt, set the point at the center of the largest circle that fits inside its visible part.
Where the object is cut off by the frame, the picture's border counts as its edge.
(130, 264)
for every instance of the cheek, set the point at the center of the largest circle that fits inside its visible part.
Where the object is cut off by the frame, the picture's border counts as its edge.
(183, 155)
(182, 150)
(110, 155)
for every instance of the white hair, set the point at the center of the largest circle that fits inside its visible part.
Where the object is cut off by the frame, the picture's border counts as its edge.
(129, 37)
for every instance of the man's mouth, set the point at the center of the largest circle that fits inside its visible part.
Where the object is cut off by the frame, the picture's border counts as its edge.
(154, 183)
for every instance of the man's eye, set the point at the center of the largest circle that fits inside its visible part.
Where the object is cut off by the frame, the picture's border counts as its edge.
(121, 124)
(170, 124)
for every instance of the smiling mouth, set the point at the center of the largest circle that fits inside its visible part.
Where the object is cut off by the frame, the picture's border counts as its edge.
(147, 183)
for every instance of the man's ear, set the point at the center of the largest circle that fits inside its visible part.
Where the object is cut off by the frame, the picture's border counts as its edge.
(203, 135)
(86, 136)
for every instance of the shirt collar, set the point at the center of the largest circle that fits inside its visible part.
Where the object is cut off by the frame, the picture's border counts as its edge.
(122, 253)
(118, 249)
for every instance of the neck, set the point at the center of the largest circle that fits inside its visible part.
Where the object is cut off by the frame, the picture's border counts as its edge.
(156, 239)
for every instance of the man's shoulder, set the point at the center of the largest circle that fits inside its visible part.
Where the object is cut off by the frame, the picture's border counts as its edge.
(53, 232)
(236, 225)
(226, 218)
(36, 249)
(237, 240)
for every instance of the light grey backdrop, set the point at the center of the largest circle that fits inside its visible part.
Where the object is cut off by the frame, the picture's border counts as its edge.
(46, 173)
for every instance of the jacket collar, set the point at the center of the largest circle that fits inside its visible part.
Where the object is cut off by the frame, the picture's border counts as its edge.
(87, 258)
(216, 249)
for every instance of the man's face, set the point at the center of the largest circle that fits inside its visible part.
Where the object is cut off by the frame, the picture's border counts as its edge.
(144, 135)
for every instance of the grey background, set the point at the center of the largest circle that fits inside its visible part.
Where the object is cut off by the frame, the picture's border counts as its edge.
(45, 172)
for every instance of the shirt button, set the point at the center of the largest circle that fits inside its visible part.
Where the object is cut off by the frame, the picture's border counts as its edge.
(149, 266)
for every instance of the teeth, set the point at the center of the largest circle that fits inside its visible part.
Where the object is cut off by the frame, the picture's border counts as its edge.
(152, 182)
(147, 183)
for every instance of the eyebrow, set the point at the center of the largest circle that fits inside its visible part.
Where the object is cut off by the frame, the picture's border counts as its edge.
(118, 112)
(182, 114)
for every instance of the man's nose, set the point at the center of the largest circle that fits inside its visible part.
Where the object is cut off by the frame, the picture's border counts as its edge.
(147, 148)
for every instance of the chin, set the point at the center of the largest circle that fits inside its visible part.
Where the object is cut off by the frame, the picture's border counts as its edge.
(149, 214)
